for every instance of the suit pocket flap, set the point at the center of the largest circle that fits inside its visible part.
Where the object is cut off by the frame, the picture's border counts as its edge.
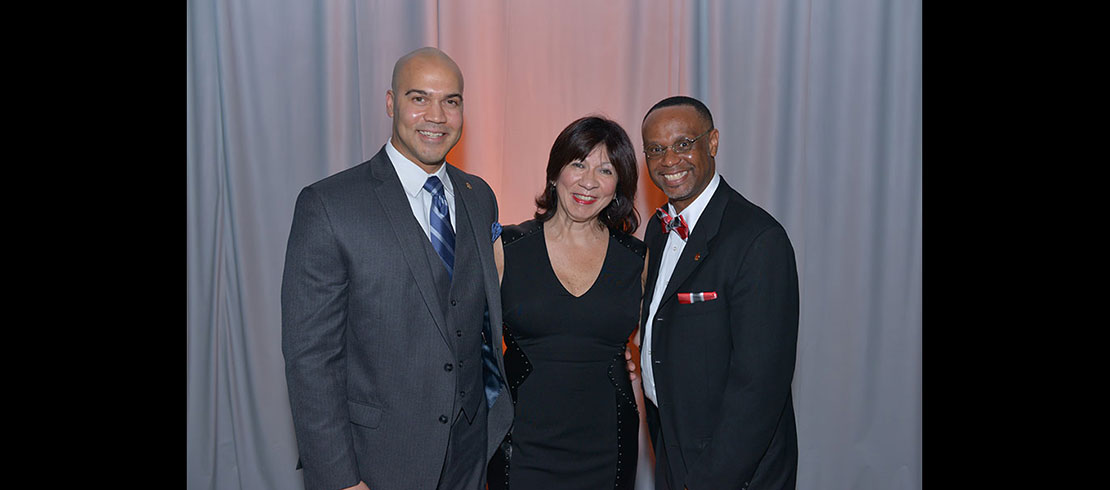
(364, 415)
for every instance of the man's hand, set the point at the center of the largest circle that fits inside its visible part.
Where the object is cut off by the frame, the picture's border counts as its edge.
(632, 376)
(361, 486)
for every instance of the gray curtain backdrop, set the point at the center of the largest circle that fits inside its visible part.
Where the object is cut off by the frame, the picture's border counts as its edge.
(819, 108)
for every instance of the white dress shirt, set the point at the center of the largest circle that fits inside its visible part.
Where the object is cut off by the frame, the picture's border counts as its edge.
(412, 178)
(672, 250)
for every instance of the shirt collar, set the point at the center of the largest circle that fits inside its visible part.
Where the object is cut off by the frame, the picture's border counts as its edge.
(695, 209)
(413, 176)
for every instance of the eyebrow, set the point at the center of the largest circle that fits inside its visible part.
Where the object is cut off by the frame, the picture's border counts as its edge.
(425, 93)
(680, 138)
(600, 164)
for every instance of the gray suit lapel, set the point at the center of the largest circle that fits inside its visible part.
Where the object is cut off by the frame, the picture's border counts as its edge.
(467, 201)
(482, 235)
(387, 187)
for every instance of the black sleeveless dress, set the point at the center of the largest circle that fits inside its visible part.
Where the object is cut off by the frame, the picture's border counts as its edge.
(576, 422)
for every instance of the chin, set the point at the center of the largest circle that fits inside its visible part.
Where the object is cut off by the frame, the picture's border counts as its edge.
(580, 218)
(432, 159)
(676, 196)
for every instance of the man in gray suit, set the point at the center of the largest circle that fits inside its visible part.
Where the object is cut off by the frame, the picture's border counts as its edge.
(388, 294)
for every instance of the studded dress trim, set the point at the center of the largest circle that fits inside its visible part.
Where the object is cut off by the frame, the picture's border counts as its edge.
(628, 419)
(515, 362)
(514, 357)
(628, 425)
(512, 233)
(628, 416)
(630, 242)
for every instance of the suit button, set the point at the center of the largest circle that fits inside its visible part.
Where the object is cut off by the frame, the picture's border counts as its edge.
(458, 333)
(448, 367)
(462, 394)
(443, 419)
(453, 302)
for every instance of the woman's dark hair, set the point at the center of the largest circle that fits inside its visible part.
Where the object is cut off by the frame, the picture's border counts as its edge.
(575, 143)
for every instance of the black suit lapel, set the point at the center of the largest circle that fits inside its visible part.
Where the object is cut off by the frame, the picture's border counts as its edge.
(697, 244)
(654, 238)
(391, 196)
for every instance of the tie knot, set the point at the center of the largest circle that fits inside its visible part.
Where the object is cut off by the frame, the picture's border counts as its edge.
(676, 224)
(433, 185)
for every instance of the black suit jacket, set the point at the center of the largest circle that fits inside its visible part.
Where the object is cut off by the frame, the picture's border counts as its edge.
(723, 368)
(371, 345)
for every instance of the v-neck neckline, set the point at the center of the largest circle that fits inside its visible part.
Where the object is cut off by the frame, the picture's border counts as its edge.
(551, 266)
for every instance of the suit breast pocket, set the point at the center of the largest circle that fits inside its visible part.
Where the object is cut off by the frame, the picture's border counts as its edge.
(698, 303)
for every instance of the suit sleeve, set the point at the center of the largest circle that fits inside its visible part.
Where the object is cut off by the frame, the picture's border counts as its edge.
(763, 315)
(313, 330)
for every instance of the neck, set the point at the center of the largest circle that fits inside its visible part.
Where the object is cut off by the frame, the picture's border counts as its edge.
(561, 227)
(427, 168)
(430, 169)
(682, 204)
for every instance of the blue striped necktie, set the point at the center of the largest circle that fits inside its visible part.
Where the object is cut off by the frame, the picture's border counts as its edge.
(439, 221)
(443, 240)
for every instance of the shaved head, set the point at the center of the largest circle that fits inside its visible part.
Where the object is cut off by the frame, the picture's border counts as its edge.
(425, 101)
(425, 54)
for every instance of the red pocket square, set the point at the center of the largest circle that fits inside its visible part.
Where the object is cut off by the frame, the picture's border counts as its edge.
(687, 298)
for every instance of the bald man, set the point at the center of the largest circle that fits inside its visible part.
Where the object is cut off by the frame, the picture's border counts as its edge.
(388, 293)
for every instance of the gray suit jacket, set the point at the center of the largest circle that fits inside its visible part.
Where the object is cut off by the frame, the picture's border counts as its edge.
(367, 344)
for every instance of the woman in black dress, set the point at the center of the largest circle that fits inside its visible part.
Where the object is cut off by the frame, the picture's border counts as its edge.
(570, 291)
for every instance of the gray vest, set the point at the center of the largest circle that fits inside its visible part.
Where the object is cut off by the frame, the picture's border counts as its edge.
(463, 298)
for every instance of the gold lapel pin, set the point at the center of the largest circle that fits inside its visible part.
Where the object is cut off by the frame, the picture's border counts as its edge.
(468, 185)
(697, 257)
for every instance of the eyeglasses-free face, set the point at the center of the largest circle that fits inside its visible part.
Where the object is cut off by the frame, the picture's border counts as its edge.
(427, 110)
(586, 186)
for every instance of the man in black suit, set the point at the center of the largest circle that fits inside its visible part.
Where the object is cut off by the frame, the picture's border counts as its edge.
(388, 292)
(720, 318)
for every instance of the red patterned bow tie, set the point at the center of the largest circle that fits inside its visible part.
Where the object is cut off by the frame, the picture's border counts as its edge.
(669, 223)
